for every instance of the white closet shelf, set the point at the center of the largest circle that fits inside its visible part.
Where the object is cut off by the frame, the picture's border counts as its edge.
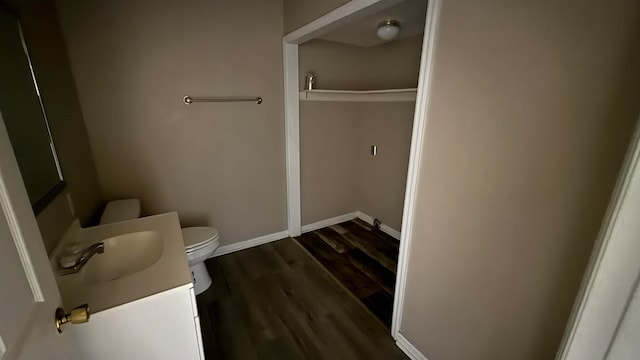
(389, 95)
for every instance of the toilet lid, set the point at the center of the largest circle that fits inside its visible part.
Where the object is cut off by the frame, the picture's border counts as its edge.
(195, 237)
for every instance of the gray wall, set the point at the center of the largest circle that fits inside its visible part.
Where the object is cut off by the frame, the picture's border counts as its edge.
(51, 66)
(215, 164)
(338, 174)
(531, 111)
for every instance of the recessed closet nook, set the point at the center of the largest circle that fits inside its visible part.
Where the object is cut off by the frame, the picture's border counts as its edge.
(355, 137)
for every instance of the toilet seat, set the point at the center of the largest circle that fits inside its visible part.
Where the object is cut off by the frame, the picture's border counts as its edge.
(196, 238)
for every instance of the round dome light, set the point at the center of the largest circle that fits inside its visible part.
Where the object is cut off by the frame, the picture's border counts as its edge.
(388, 29)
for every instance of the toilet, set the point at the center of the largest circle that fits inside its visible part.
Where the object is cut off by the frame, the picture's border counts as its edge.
(200, 242)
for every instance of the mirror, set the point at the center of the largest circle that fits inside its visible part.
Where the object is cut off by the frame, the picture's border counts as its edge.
(25, 117)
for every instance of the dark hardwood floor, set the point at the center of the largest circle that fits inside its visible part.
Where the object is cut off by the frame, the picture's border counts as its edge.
(363, 259)
(275, 302)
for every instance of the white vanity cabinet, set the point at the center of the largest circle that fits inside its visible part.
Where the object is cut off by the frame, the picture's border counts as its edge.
(164, 326)
(138, 289)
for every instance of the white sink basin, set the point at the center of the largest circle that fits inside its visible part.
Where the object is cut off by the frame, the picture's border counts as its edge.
(141, 257)
(123, 255)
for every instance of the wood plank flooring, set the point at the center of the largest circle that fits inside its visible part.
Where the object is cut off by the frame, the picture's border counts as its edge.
(275, 302)
(363, 259)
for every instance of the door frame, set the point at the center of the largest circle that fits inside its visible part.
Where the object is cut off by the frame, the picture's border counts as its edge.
(318, 27)
(613, 271)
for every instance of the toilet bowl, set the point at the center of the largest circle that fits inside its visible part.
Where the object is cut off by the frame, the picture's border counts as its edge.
(200, 243)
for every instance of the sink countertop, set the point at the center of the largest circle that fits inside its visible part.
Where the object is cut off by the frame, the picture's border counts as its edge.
(171, 270)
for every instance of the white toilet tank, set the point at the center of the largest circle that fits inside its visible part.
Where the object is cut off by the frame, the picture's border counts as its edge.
(120, 210)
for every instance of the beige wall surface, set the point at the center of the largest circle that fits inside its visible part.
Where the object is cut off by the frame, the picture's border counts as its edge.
(298, 13)
(394, 65)
(48, 55)
(329, 135)
(338, 173)
(382, 178)
(531, 111)
(54, 220)
(217, 164)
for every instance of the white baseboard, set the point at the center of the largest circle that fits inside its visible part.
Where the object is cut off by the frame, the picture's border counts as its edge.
(384, 227)
(408, 348)
(227, 249)
(329, 222)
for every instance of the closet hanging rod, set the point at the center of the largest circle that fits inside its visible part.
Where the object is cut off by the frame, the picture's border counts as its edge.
(191, 99)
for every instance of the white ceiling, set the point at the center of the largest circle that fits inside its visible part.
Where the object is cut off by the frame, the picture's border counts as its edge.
(362, 32)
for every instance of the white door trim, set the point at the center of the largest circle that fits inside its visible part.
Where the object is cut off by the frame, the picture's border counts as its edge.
(323, 25)
(292, 135)
(415, 157)
(613, 269)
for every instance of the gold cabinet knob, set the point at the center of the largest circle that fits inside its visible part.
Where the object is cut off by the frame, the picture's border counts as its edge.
(78, 315)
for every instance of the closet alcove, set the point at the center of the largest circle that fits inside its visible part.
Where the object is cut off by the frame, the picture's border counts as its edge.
(355, 133)
(365, 96)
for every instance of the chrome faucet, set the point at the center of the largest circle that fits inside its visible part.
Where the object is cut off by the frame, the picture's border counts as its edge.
(97, 248)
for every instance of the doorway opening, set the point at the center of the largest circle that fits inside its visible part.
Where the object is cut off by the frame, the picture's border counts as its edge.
(316, 126)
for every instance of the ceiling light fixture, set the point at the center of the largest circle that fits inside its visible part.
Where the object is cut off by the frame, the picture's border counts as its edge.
(388, 29)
